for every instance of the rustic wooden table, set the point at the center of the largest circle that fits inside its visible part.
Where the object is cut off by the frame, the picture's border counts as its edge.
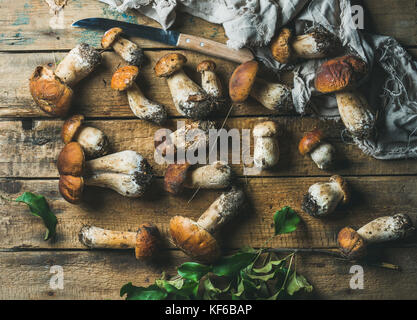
(30, 141)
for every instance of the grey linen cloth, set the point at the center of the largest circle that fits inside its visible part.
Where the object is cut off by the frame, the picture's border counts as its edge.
(391, 85)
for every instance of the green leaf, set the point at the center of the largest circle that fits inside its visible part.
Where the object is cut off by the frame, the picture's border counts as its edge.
(40, 208)
(268, 267)
(193, 271)
(229, 266)
(296, 282)
(152, 292)
(285, 221)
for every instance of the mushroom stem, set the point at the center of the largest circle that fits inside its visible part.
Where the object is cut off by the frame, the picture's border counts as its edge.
(93, 141)
(78, 64)
(95, 237)
(355, 113)
(387, 228)
(222, 210)
(143, 108)
(323, 156)
(310, 46)
(266, 149)
(211, 83)
(273, 96)
(128, 51)
(213, 176)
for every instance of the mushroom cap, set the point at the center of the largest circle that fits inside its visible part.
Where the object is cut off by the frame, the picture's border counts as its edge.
(147, 241)
(206, 65)
(265, 129)
(351, 244)
(310, 141)
(340, 74)
(241, 81)
(50, 94)
(175, 176)
(71, 188)
(110, 36)
(194, 240)
(124, 78)
(70, 127)
(71, 160)
(343, 186)
(281, 46)
(169, 64)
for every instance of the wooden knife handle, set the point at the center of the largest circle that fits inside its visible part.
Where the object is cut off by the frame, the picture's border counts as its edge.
(213, 48)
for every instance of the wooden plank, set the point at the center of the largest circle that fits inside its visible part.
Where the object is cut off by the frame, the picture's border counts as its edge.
(100, 275)
(30, 149)
(372, 197)
(94, 97)
(30, 25)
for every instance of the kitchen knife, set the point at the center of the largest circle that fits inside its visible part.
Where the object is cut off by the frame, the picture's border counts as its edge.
(170, 37)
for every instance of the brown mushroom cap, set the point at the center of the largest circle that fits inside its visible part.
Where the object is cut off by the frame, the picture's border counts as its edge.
(175, 177)
(49, 92)
(351, 244)
(206, 65)
(194, 240)
(147, 241)
(340, 74)
(241, 81)
(70, 127)
(310, 141)
(71, 188)
(110, 36)
(281, 46)
(124, 78)
(169, 64)
(343, 185)
(71, 160)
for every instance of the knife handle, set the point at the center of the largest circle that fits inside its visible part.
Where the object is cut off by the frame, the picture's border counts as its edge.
(213, 48)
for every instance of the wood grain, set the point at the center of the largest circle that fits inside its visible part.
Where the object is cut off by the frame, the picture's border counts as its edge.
(372, 197)
(100, 275)
(30, 149)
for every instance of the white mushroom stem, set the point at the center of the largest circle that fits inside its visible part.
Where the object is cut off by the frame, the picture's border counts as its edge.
(323, 198)
(192, 136)
(189, 98)
(388, 228)
(266, 150)
(93, 141)
(217, 175)
(143, 108)
(307, 46)
(221, 211)
(126, 172)
(323, 155)
(95, 237)
(128, 50)
(273, 96)
(78, 64)
(355, 113)
(211, 84)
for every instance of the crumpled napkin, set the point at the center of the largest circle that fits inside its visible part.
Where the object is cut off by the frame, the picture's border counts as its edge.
(391, 86)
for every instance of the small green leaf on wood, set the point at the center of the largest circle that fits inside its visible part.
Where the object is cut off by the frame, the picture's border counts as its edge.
(296, 282)
(231, 265)
(285, 221)
(39, 207)
(193, 271)
(152, 292)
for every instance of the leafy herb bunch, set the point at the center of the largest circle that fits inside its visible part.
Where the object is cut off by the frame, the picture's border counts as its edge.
(249, 274)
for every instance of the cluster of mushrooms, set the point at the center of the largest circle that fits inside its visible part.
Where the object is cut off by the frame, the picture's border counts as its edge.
(86, 159)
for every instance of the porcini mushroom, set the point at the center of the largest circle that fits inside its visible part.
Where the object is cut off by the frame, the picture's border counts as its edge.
(51, 90)
(126, 49)
(211, 83)
(322, 153)
(323, 198)
(125, 172)
(93, 141)
(189, 98)
(266, 149)
(143, 108)
(316, 44)
(243, 82)
(340, 76)
(145, 241)
(217, 175)
(197, 239)
(353, 244)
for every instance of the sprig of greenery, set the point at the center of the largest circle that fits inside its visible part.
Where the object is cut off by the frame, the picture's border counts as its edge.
(248, 274)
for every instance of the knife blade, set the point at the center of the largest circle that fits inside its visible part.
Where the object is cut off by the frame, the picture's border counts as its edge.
(170, 37)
